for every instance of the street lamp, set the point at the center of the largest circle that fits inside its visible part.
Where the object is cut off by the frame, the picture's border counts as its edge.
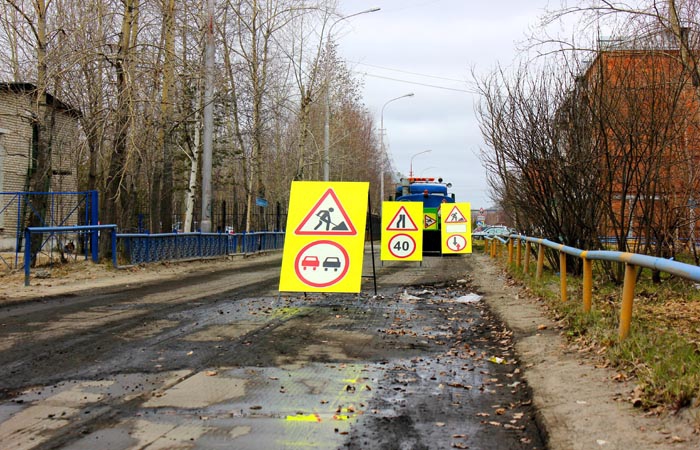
(410, 171)
(326, 126)
(381, 137)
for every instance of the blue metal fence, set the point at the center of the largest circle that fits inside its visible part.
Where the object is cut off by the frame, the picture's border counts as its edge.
(55, 231)
(147, 248)
(63, 209)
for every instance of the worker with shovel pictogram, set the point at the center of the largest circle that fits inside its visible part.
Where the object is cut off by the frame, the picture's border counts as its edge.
(324, 217)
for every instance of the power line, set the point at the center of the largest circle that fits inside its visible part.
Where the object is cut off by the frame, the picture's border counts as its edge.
(417, 83)
(407, 72)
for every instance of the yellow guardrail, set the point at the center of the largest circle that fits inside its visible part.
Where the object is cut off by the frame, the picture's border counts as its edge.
(632, 261)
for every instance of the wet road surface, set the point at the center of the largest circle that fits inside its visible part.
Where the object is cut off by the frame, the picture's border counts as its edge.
(223, 361)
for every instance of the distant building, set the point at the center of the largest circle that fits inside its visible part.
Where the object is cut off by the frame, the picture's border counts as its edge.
(653, 111)
(490, 216)
(18, 141)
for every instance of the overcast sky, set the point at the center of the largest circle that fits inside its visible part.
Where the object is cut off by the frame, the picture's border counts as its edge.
(429, 47)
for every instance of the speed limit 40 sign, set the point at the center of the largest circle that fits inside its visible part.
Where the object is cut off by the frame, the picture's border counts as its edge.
(402, 231)
(402, 246)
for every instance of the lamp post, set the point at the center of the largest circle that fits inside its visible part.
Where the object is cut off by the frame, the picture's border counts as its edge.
(381, 137)
(410, 170)
(326, 125)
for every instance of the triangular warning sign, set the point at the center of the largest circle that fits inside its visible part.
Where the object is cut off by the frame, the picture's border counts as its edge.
(428, 221)
(402, 222)
(327, 218)
(455, 216)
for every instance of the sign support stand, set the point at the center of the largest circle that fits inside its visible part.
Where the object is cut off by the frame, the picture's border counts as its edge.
(371, 240)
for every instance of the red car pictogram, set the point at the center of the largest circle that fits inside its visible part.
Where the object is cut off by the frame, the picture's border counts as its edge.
(310, 261)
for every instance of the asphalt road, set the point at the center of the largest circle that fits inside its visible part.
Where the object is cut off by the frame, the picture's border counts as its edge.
(223, 361)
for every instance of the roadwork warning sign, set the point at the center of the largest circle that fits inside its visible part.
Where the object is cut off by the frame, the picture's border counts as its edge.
(324, 240)
(456, 232)
(326, 218)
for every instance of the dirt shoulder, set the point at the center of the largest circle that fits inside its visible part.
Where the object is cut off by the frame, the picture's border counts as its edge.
(581, 404)
(83, 276)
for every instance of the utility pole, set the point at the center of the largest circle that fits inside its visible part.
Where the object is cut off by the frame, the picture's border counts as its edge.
(208, 132)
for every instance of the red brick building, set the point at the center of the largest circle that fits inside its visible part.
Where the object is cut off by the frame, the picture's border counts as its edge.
(647, 110)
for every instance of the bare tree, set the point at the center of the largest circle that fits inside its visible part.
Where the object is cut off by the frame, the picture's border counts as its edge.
(639, 110)
(540, 156)
(132, 67)
(36, 21)
(116, 193)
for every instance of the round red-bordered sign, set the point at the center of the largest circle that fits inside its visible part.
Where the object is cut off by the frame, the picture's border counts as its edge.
(322, 263)
(456, 242)
(402, 245)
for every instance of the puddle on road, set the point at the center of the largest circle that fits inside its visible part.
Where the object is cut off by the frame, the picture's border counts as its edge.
(247, 408)
(200, 390)
(26, 420)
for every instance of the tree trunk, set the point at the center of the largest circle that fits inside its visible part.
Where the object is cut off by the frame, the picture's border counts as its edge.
(40, 165)
(194, 168)
(116, 192)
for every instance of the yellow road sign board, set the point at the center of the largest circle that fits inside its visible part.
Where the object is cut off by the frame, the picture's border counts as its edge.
(402, 231)
(325, 237)
(456, 230)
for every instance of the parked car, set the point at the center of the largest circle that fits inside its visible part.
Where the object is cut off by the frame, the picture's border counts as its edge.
(492, 231)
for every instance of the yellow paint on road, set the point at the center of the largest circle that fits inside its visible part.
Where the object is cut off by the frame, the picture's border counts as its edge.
(304, 418)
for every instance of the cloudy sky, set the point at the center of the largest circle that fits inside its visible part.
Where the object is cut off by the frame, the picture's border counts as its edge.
(429, 47)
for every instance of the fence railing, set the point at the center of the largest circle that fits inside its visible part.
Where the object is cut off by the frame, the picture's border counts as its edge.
(53, 231)
(147, 248)
(61, 209)
(631, 260)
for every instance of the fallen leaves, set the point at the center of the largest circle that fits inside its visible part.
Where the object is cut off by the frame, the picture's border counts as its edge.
(460, 385)
(620, 377)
